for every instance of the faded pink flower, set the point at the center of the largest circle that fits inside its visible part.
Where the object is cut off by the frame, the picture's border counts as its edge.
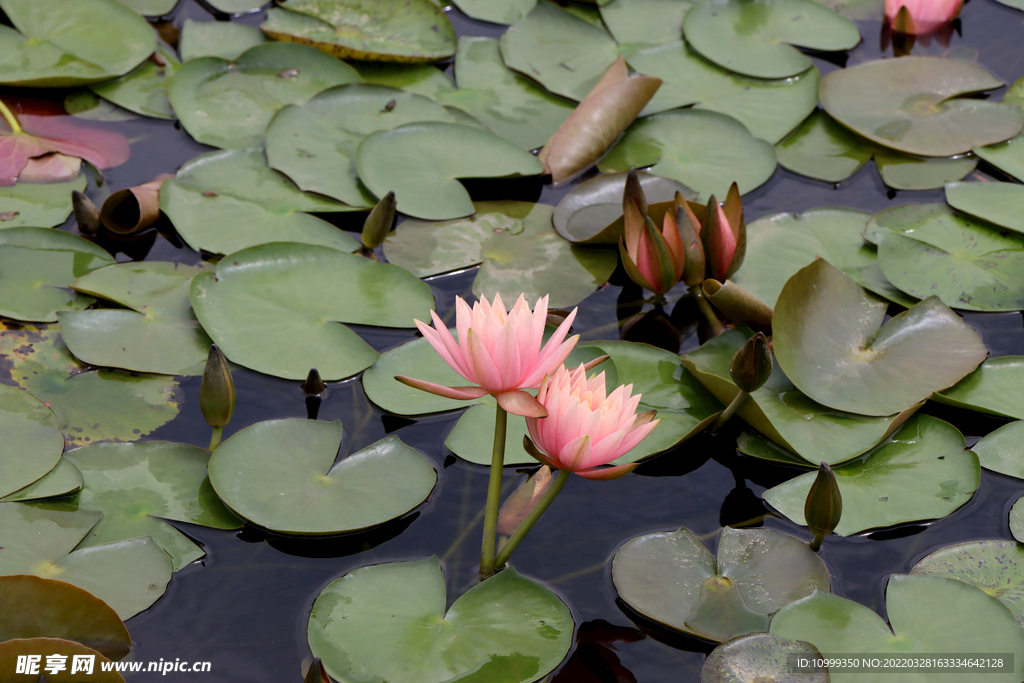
(922, 16)
(499, 352)
(584, 428)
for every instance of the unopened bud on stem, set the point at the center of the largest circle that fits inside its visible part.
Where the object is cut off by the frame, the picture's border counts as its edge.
(379, 222)
(824, 506)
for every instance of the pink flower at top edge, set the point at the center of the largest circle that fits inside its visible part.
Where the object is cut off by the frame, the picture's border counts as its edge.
(925, 15)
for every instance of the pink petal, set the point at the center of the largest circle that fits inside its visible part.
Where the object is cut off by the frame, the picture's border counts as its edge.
(637, 435)
(574, 454)
(442, 342)
(506, 355)
(521, 403)
(458, 393)
(608, 473)
(486, 372)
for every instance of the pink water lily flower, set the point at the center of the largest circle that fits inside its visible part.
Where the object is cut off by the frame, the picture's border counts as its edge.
(921, 16)
(498, 351)
(584, 428)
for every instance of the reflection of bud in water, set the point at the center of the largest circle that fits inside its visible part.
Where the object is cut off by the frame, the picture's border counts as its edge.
(314, 386)
(379, 221)
(824, 506)
(217, 392)
(751, 366)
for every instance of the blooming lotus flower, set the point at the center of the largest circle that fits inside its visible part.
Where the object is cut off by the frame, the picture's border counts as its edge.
(584, 428)
(918, 17)
(498, 351)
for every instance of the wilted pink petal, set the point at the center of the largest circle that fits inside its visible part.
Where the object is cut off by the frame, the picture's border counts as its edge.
(50, 168)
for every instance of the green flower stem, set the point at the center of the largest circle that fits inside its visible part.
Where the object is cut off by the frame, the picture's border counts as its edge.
(715, 325)
(815, 544)
(10, 118)
(218, 433)
(531, 519)
(493, 494)
(729, 411)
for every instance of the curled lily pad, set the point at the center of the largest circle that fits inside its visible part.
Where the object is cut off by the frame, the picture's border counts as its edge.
(38, 263)
(286, 296)
(769, 109)
(496, 11)
(62, 480)
(102, 39)
(920, 472)
(367, 30)
(156, 332)
(996, 388)
(420, 163)
(32, 444)
(912, 104)
(280, 475)
(506, 629)
(671, 578)
(760, 657)
(704, 150)
(927, 613)
(315, 144)
(12, 651)
(758, 38)
(42, 204)
(144, 90)
(518, 250)
(229, 103)
(863, 366)
(997, 203)
(223, 39)
(1003, 450)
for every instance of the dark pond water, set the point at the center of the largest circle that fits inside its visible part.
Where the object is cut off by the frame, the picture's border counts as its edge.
(244, 608)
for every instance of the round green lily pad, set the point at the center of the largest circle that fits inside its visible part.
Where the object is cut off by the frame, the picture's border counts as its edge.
(277, 308)
(280, 475)
(1017, 520)
(704, 150)
(928, 614)
(367, 30)
(420, 162)
(760, 657)
(863, 366)
(32, 444)
(920, 472)
(913, 105)
(61, 45)
(31, 204)
(519, 251)
(223, 39)
(758, 38)
(1003, 450)
(496, 11)
(388, 622)
(671, 578)
(64, 479)
(12, 651)
(821, 148)
(997, 203)
(228, 104)
(996, 388)
(315, 144)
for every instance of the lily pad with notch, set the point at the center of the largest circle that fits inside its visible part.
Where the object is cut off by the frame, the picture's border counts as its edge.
(995, 388)
(280, 475)
(32, 443)
(761, 657)
(38, 204)
(997, 203)
(144, 89)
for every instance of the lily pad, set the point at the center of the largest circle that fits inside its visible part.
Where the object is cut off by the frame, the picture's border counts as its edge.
(367, 30)
(760, 657)
(562, 52)
(784, 414)
(223, 202)
(32, 444)
(12, 651)
(90, 405)
(315, 144)
(43, 204)
(157, 333)
(236, 6)
(420, 162)
(997, 203)
(280, 475)
(419, 79)
(506, 629)
(151, 8)
(508, 104)
(62, 480)
(704, 150)
(518, 250)
(906, 172)
(912, 104)
(144, 90)
(1003, 450)
(1008, 156)
(496, 11)
(996, 567)
(758, 38)
(223, 39)
(769, 109)
(38, 264)
(928, 249)
(129, 576)
(996, 388)
(1017, 520)
(863, 366)
(102, 39)
(671, 578)
(921, 472)
(229, 103)
(636, 24)
(293, 297)
(821, 148)
(928, 614)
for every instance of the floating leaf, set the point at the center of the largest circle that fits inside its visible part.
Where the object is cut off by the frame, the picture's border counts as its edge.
(1003, 450)
(1008, 156)
(996, 567)
(370, 622)
(223, 39)
(996, 388)
(920, 472)
(419, 79)
(32, 444)
(144, 90)
(760, 657)
(671, 578)
(229, 104)
(496, 11)
(46, 204)
(99, 40)
(857, 10)
(293, 296)
(12, 652)
(236, 6)
(905, 172)
(863, 366)
(367, 30)
(1017, 520)
(642, 23)
(151, 8)
(758, 38)
(704, 150)
(518, 250)
(222, 202)
(62, 480)
(821, 148)
(280, 475)
(769, 109)
(157, 333)
(315, 144)
(997, 203)
(912, 104)
(420, 162)
(37, 264)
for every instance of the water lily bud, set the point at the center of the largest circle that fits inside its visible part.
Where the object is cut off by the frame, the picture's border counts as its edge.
(751, 366)
(217, 392)
(635, 192)
(719, 240)
(314, 386)
(693, 250)
(379, 222)
(824, 506)
(733, 209)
